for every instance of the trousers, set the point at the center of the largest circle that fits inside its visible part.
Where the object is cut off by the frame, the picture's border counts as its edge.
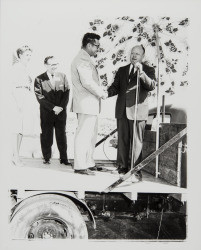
(85, 141)
(48, 124)
(125, 140)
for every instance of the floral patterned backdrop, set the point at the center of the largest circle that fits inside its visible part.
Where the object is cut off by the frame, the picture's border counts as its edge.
(165, 42)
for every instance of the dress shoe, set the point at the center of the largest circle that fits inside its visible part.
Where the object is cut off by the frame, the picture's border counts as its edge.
(46, 161)
(94, 168)
(84, 171)
(134, 179)
(65, 162)
(122, 170)
(138, 175)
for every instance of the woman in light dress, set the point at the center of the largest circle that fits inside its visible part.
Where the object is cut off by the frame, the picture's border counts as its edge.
(23, 115)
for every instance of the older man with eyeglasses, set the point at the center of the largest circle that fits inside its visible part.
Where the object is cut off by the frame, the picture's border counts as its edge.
(86, 103)
(52, 92)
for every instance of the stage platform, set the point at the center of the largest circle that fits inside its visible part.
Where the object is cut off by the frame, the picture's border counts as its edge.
(56, 176)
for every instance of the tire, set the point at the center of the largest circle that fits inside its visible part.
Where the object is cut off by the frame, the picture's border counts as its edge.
(47, 216)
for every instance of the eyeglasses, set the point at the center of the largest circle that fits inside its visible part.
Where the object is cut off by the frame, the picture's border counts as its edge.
(97, 45)
(53, 65)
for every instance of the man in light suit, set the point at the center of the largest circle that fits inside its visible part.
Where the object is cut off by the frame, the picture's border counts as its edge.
(52, 92)
(86, 103)
(125, 85)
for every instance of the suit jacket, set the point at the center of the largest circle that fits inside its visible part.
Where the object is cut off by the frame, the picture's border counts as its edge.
(126, 92)
(86, 86)
(49, 97)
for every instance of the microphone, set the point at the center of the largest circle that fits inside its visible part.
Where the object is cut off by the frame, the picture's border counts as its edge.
(137, 66)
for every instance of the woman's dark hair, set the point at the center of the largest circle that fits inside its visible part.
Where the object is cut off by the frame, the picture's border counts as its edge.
(89, 38)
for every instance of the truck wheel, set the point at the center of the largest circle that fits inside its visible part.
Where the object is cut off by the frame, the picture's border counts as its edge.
(47, 216)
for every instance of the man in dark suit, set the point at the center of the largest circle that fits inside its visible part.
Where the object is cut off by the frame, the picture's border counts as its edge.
(125, 86)
(52, 92)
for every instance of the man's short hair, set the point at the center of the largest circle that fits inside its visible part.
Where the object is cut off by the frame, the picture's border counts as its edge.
(89, 38)
(22, 49)
(47, 58)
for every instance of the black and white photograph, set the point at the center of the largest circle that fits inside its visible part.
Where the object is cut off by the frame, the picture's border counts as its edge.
(100, 129)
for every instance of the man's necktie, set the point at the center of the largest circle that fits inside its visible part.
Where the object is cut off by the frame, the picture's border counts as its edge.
(53, 82)
(131, 73)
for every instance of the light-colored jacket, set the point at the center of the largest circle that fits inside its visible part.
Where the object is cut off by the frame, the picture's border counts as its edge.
(87, 91)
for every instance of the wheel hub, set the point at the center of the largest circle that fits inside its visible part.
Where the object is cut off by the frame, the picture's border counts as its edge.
(49, 228)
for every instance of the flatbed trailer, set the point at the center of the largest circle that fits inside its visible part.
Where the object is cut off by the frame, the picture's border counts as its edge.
(52, 200)
(57, 200)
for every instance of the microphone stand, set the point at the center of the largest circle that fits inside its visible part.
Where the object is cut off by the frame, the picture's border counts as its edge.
(134, 123)
(158, 98)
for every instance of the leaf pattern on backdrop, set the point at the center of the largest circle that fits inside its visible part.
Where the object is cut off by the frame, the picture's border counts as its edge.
(119, 35)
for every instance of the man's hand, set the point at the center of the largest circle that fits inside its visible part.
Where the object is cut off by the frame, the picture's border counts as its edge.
(141, 72)
(105, 95)
(138, 66)
(57, 110)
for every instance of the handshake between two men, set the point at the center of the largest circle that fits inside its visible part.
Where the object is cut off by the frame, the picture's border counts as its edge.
(88, 92)
(137, 67)
(105, 93)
